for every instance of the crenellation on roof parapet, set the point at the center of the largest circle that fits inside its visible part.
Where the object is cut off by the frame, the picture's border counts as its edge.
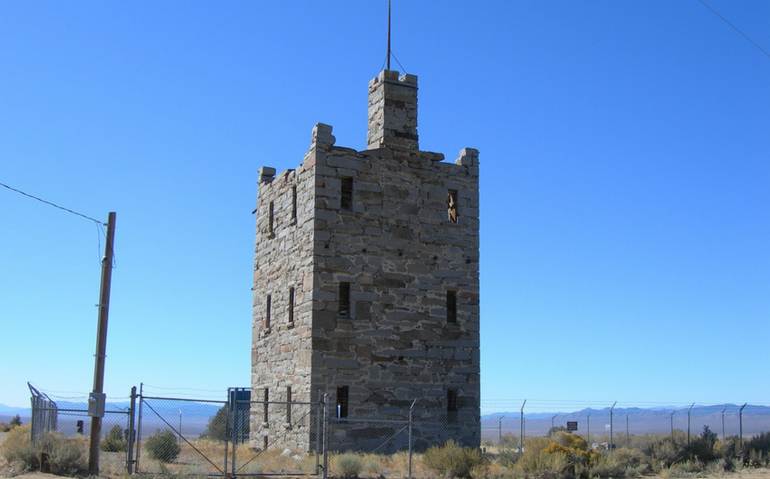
(468, 157)
(393, 76)
(322, 136)
(266, 174)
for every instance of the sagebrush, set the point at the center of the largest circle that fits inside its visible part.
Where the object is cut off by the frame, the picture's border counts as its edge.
(52, 453)
(114, 441)
(163, 446)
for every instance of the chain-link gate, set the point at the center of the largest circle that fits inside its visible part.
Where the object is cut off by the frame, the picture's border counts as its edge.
(182, 436)
(287, 439)
(197, 437)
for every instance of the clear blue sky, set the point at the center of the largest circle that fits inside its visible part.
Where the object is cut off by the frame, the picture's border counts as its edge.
(625, 154)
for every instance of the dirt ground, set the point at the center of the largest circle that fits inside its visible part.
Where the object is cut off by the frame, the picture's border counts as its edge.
(745, 474)
(748, 474)
(38, 475)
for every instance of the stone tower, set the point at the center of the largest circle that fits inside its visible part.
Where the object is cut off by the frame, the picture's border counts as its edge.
(366, 286)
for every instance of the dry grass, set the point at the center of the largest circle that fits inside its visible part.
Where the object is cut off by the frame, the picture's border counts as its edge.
(253, 461)
(760, 473)
(374, 466)
(205, 456)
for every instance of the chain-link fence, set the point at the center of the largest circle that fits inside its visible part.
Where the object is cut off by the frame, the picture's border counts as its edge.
(627, 427)
(286, 438)
(48, 418)
(43, 413)
(268, 436)
(182, 436)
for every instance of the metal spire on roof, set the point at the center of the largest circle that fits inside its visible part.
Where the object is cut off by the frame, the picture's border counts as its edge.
(388, 58)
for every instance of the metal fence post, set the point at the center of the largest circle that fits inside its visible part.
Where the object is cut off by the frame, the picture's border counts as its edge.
(318, 427)
(588, 430)
(740, 425)
(723, 423)
(411, 411)
(34, 420)
(234, 434)
(500, 430)
(612, 410)
(672, 425)
(139, 429)
(131, 433)
(628, 435)
(326, 436)
(689, 410)
(521, 428)
(227, 442)
(228, 432)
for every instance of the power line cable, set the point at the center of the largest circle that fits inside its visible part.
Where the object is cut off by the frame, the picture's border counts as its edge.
(179, 388)
(50, 203)
(734, 27)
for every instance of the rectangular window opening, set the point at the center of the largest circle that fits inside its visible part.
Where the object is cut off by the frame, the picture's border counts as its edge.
(270, 218)
(451, 306)
(268, 307)
(342, 401)
(291, 306)
(346, 193)
(344, 300)
(288, 404)
(294, 203)
(266, 405)
(452, 206)
(451, 404)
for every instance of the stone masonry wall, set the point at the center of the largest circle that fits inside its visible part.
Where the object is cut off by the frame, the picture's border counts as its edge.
(400, 254)
(392, 111)
(281, 354)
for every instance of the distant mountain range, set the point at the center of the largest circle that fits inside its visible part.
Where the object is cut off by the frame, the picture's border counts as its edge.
(636, 411)
(12, 411)
(157, 414)
(655, 420)
(196, 415)
(191, 408)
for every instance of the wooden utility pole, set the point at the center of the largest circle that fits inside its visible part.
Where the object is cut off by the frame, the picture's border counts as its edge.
(96, 401)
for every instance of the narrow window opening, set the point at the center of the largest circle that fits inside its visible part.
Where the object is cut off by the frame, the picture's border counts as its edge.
(268, 307)
(342, 401)
(266, 406)
(451, 404)
(288, 405)
(291, 306)
(294, 203)
(452, 206)
(344, 300)
(346, 193)
(270, 218)
(451, 306)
